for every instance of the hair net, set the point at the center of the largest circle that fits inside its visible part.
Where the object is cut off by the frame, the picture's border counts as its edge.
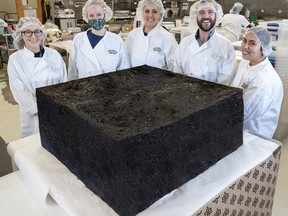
(197, 6)
(264, 39)
(141, 5)
(106, 9)
(237, 7)
(21, 25)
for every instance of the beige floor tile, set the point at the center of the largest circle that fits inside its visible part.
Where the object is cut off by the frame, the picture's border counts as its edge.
(9, 112)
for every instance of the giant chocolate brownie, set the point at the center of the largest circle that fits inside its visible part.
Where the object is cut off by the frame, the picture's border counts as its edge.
(133, 136)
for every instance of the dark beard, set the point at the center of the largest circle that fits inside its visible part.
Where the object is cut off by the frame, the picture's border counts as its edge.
(213, 22)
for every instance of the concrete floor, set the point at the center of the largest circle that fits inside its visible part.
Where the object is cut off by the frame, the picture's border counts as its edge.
(9, 111)
(10, 130)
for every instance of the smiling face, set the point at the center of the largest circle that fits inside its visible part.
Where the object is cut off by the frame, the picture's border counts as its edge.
(151, 16)
(32, 43)
(251, 49)
(206, 19)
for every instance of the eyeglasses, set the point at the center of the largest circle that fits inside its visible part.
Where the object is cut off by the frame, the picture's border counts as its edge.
(29, 33)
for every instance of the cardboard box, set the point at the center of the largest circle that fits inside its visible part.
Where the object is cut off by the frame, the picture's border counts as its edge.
(251, 194)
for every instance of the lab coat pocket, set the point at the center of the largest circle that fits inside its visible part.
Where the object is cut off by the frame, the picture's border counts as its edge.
(110, 60)
(219, 59)
(57, 70)
(137, 58)
(215, 66)
(41, 66)
(56, 74)
(157, 58)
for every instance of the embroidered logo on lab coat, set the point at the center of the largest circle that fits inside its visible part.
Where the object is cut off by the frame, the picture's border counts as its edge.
(244, 86)
(113, 52)
(56, 69)
(157, 49)
(217, 57)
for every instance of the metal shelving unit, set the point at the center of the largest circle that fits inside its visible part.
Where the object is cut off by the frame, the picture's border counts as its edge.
(6, 50)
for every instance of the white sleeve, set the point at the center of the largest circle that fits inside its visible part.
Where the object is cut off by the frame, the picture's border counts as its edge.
(228, 68)
(23, 94)
(257, 104)
(124, 55)
(244, 22)
(170, 52)
(239, 75)
(72, 67)
(177, 61)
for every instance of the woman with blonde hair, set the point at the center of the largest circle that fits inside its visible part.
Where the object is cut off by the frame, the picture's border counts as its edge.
(97, 51)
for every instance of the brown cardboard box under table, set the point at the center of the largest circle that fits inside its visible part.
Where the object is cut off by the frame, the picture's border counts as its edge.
(133, 136)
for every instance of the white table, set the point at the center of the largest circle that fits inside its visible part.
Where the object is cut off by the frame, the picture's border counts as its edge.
(65, 45)
(43, 181)
(17, 197)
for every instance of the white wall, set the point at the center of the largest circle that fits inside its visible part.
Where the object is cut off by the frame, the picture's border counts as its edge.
(8, 6)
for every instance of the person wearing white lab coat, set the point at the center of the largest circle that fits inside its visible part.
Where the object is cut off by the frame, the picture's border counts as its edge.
(206, 55)
(151, 44)
(97, 51)
(193, 25)
(233, 21)
(31, 67)
(262, 87)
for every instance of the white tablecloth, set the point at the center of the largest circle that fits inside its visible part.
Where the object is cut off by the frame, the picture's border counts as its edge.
(17, 198)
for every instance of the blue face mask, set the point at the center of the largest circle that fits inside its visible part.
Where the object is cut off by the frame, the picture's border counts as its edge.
(97, 24)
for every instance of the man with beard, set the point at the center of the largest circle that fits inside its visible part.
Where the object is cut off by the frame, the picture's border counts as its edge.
(206, 54)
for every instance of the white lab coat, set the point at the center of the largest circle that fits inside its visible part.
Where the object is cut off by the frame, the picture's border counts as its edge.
(110, 54)
(213, 61)
(27, 73)
(157, 49)
(234, 23)
(262, 95)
